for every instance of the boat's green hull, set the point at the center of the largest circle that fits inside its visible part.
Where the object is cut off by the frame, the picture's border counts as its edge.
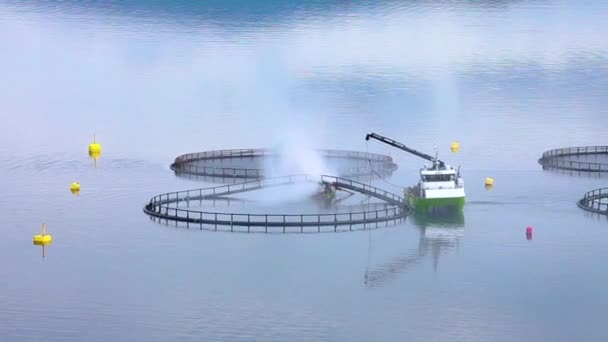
(425, 205)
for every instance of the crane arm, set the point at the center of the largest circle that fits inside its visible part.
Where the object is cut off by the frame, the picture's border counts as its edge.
(400, 146)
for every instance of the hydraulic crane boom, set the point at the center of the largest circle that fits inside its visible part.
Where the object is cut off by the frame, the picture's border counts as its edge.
(400, 146)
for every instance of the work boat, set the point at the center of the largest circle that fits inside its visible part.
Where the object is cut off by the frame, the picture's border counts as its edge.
(440, 187)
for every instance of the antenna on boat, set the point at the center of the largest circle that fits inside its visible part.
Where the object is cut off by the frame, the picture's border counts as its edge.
(435, 161)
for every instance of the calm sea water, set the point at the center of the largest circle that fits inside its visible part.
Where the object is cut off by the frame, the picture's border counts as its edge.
(157, 78)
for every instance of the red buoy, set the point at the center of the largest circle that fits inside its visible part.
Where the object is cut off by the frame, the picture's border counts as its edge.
(529, 230)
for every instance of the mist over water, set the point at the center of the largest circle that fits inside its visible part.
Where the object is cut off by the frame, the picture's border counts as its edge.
(461, 67)
(296, 142)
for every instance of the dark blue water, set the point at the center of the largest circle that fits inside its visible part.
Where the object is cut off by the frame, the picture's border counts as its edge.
(155, 79)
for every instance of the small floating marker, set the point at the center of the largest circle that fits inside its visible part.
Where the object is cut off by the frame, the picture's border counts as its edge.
(95, 154)
(455, 147)
(529, 231)
(94, 147)
(94, 150)
(75, 187)
(43, 238)
(489, 181)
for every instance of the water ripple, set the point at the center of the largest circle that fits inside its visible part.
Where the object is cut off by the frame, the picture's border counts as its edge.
(62, 162)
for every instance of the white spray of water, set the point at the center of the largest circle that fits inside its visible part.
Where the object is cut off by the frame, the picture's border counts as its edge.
(296, 153)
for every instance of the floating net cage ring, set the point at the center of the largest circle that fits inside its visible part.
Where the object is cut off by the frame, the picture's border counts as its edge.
(189, 163)
(560, 159)
(595, 201)
(279, 229)
(166, 206)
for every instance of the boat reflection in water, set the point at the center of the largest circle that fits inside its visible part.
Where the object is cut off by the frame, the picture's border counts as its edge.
(438, 233)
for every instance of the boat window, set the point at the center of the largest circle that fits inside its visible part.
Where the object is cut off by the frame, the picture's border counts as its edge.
(438, 178)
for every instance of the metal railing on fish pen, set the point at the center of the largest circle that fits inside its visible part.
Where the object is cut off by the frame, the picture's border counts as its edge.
(558, 159)
(260, 152)
(595, 201)
(189, 163)
(160, 207)
(185, 163)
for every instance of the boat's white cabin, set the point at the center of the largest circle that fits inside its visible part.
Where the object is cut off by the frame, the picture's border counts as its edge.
(445, 178)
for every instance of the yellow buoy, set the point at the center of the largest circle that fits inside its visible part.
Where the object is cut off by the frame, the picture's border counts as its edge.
(455, 147)
(94, 147)
(42, 242)
(94, 154)
(489, 181)
(43, 238)
(94, 150)
(75, 187)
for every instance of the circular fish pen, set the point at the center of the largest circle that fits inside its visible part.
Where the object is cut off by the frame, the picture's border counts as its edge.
(576, 159)
(595, 201)
(209, 164)
(166, 207)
